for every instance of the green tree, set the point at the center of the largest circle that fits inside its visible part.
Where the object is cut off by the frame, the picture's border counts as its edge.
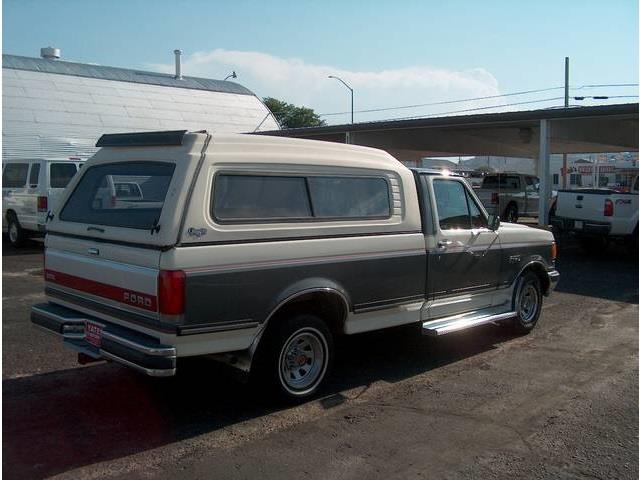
(291, 116)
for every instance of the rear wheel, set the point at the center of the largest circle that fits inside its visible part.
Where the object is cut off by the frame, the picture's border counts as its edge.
(527, 303)
(15, 232)
(511, 213)
(294, 357)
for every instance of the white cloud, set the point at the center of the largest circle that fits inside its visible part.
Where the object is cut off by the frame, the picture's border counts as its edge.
(296, 81)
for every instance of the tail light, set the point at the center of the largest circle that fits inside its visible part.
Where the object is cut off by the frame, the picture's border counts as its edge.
(554, 251)
(608, 208)
(42, 204)
(171, 292)
(113, 201)
(494, 198)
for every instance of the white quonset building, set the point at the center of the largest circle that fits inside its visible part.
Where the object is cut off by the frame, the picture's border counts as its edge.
(53, 108)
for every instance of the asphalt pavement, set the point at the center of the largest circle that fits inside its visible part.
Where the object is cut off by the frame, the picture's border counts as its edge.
(561, 402)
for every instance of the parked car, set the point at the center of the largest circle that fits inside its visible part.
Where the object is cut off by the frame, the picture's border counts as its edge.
(598, 216)
(30, 189)
(264, 249)
(510, 195)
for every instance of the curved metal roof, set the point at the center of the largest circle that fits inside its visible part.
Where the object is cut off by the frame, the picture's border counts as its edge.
(17, 62)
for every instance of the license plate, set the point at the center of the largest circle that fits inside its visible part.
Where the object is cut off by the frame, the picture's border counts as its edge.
(93, 333)
(578, 224)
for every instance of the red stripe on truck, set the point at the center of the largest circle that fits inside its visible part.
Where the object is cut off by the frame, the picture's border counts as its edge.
(122, 295)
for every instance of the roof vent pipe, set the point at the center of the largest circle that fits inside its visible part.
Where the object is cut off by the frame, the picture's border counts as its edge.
(50, 53)
(178, 54)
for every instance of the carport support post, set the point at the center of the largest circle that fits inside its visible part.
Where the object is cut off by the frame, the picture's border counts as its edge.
(543, 173)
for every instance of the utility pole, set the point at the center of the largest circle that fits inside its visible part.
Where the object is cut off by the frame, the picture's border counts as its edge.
(566, 105)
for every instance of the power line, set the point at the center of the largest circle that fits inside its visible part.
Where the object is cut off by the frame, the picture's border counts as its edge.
(449, 102)
(444, 102)
(607, 85)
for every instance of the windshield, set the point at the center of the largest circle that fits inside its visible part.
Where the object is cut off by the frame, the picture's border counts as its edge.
(501, 181)
(129, 195)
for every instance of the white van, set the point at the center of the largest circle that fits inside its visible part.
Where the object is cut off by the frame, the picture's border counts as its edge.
(30, 189)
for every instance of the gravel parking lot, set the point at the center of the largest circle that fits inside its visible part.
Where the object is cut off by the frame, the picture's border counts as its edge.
(561, 402)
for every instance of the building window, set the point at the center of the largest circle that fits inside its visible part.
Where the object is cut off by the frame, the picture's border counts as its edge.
(556, 179)
(575, 179)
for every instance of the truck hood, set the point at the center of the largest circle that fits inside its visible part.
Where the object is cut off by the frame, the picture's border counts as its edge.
(515, 232)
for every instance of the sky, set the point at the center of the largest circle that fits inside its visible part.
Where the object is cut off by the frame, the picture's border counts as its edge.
(392, 53)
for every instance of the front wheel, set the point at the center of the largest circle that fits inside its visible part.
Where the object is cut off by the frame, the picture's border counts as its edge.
(294, 357)
(527, 303)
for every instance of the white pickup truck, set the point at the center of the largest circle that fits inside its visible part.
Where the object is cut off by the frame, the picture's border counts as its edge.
(599, 215)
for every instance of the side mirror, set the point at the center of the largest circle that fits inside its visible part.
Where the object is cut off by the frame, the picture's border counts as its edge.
(494, 222)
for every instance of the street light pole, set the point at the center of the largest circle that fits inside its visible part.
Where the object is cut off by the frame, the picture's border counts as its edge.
(350, 89)
(566, 105)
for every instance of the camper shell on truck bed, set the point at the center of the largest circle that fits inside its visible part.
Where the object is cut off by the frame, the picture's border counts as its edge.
(260, 250)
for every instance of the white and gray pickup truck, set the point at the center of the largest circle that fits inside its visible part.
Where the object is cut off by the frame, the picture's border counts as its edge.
(259, 251)
(599, 215)
(510, 195)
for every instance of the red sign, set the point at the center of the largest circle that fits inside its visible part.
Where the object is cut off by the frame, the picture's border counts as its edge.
(93, 334)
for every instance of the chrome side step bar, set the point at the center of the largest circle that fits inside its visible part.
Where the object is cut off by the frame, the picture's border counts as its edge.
(442, 326)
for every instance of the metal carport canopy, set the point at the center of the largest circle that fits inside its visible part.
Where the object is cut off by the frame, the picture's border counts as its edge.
(528, 134)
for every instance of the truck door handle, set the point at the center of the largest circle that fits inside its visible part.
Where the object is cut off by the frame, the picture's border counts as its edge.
(445, 243)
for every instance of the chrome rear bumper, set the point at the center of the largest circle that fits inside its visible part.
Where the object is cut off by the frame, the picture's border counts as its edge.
(128, 347)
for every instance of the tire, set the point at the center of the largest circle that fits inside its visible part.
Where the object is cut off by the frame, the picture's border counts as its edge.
(527, 303)
(293, 358)
(15, 233)
(511, 213)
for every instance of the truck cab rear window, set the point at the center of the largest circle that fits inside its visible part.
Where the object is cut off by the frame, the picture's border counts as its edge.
(501, 181)
(129, 195)
(248, 198)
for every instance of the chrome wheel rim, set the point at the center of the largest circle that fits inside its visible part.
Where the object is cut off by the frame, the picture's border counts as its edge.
(529, 302)
(13, 232)
(302, 361)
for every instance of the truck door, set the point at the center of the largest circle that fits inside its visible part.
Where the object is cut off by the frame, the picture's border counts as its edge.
(464, 254)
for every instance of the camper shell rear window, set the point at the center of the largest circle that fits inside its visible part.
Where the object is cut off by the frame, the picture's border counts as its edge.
(98, 197)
